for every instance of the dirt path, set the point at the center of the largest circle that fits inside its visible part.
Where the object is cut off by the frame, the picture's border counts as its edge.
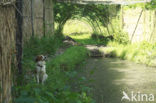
(110, 77)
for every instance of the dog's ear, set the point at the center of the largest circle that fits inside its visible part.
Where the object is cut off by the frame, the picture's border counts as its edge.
(38, 58)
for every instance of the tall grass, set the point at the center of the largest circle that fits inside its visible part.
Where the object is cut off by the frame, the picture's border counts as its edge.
(37, 46)
(60, 70)
(143, 52)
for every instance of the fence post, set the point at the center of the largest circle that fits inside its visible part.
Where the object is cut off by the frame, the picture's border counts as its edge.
(19, 34)
(136, 25)
(49, 16)
(32, 17)
(44, 26)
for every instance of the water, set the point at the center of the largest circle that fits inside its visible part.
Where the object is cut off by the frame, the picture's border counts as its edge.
(110, 77)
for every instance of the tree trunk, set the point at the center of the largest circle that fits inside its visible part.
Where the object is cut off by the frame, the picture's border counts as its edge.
(7, 50)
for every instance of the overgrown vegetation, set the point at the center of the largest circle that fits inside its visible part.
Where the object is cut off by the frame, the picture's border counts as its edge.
(95, 15)
(104, 30)
(60, 70)
(83, 33)
(143, 52)
(86, 39)
(149, 6)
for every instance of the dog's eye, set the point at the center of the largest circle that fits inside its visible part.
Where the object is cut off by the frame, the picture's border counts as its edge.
(42, 56)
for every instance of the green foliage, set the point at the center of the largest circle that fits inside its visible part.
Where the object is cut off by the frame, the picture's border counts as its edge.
(94, 14)
(70, 58)
(99, 17)
(45, 45)
(37, 46)
(57, 88)
(86, 39)
(150, 5)
(141, 5)
(143, 52)
(121, 37)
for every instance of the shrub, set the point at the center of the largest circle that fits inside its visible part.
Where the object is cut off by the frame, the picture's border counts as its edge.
(121, 37)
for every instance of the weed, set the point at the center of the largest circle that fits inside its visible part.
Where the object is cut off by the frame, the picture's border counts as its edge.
(143, 52)
(60, 70)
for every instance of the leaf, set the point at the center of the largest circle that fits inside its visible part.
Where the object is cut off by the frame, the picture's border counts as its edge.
(25, 100)
(50, 95)
(79, 101)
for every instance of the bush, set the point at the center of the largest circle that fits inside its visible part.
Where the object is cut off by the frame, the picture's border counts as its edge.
(121, 37)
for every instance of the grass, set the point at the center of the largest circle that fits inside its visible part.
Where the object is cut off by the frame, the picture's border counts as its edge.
(81, 32)
(143, 52)
(86, 39)
(60, 70)
(76, 26)
(70, 58)
(36, 46)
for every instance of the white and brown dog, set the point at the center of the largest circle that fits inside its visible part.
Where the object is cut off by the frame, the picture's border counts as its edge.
(41, 74)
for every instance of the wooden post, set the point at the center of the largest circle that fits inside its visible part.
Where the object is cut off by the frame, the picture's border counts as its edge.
(144, 24)
(49, 16)
(136, 25)
(122, 18)
(154, 26)
(19, 34)
(32, 17)
(44, 26)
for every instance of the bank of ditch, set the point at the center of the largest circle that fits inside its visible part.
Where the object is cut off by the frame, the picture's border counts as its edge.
(143, 52)
(60, 69)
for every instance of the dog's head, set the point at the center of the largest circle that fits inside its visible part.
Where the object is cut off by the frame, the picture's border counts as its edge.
(40, 58)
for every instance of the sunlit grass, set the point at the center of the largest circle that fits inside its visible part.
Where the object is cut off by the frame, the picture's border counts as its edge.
(142, 52)
(82, 36)
(81, 31)
(76, 26)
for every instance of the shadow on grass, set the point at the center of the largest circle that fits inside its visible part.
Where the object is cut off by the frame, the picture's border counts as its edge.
(90, 41)
(85, 38)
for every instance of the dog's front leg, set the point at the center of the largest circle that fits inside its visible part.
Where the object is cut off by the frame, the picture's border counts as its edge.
(37, 78)
(45, 76)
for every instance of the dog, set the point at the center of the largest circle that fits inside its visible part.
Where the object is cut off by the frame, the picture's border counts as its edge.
(41, 74)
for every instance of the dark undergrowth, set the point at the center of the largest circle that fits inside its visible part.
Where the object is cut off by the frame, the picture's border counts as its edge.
(60, 70)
